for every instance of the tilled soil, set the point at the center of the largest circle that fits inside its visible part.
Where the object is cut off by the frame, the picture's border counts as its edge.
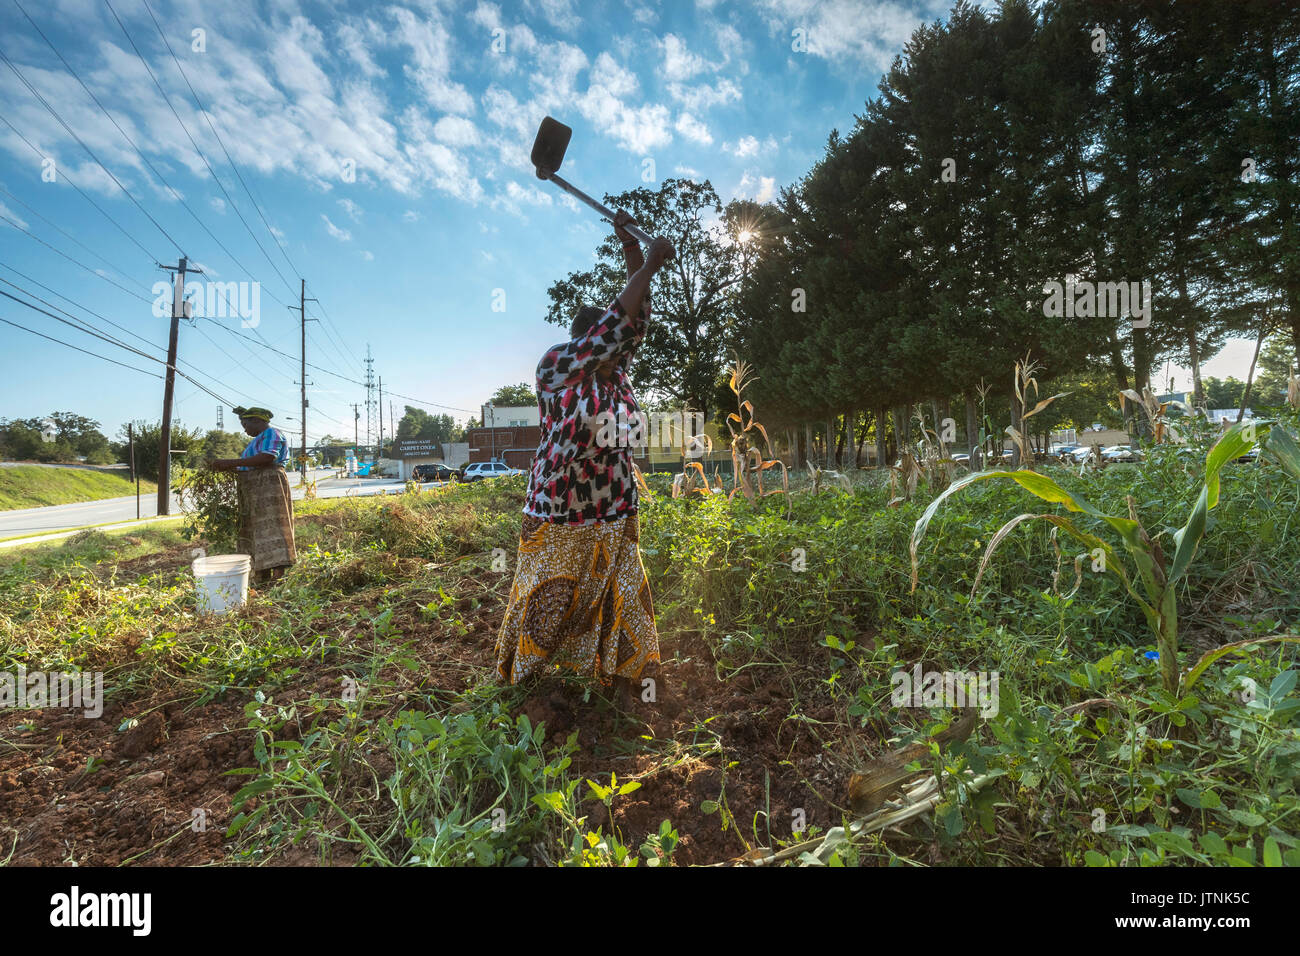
(147, 784)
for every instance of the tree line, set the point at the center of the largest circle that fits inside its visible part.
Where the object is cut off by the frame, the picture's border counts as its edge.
(1103, 186)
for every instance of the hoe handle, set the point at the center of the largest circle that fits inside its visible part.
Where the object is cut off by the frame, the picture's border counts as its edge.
(579, 195)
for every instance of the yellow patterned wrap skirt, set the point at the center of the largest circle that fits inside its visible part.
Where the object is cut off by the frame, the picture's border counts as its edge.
(580, 603)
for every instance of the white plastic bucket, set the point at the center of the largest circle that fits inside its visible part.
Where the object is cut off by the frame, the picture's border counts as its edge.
(223, 581)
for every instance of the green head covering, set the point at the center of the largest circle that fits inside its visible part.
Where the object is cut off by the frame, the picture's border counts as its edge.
(255, 412)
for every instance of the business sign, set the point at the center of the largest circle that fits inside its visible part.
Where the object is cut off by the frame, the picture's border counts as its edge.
(415, 448)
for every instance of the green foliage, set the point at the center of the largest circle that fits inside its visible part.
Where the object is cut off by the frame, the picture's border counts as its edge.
(417, 423)
(521, 395)
(210, 500)
(61, 436)
(1158, 579)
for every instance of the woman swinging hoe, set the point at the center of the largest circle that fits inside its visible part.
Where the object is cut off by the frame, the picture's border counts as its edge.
(580, 601)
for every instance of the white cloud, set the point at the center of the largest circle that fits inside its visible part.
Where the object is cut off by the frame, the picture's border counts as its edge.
(559, 13)
(679, 64)
(6, 211)
(353, 42)
(761, 189)
(342, 235)
(530, 194)
(456, 131)
(367, 255)
(352, 209)
(638, 129)
(217, 203)
(693, 129)
(702, 96)
(410, 216)
(431, 42)
(749, 146)
(859, 35)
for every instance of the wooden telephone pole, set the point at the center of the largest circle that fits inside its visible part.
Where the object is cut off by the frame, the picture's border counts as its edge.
(180, 309)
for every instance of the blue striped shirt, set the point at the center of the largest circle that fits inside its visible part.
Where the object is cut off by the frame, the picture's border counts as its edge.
(269, 440)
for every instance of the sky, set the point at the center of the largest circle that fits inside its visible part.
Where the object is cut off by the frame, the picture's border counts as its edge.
(380, 152)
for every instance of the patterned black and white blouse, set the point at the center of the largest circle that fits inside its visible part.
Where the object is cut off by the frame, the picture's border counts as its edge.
(576, 478)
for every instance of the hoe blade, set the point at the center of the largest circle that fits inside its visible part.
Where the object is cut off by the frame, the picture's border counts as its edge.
(548, 149)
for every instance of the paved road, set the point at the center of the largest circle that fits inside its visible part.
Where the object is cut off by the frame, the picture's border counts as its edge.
(35, 521)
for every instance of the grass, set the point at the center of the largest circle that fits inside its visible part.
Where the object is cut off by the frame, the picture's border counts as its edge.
(362, 683)
(33, 486)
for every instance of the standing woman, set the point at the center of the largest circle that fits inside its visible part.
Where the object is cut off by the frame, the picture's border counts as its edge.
(265, 502)
(581, 601)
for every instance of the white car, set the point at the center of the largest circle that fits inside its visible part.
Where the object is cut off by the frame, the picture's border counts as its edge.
(1121, 453)
(488, 469)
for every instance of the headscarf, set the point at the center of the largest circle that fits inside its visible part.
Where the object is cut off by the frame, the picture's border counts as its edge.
(254, 412)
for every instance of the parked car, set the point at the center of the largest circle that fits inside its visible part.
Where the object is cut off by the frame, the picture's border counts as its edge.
(1121, 453)
(1060, 449)
(436, 471)
(488, 469)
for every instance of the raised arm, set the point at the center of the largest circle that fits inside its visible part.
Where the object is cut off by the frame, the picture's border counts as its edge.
(617, 333)
(631, 246)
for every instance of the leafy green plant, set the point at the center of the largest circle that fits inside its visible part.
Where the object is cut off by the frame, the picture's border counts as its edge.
(1156, 576)
(210, 500)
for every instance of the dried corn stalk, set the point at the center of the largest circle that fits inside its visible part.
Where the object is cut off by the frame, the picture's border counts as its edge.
(1156, 412)
(747, 462)
(819, 475)
(1025, 379)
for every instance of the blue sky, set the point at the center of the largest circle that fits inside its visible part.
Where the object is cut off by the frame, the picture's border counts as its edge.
(387, 148)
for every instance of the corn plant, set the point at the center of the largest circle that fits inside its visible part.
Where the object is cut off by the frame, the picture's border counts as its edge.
(1156, 411)
(1152, 582)
(1025, 379)
(746, 456)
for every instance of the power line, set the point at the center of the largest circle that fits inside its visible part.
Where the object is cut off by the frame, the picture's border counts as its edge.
(125, 273)
(72, 260)
(89, 151)
(32, 146)
(212, 127)
(79, 348)
(351, 381)
(111, 341)
(74, 302)
(199, 151)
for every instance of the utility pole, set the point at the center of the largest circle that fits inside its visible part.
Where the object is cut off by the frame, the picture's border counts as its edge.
(302, 316)
(379, 451)
(135, 475)
(221, 425)
(370, 394)
(179, 308)
(356, 419)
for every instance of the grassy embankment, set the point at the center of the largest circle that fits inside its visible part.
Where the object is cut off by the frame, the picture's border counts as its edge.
(33, 486)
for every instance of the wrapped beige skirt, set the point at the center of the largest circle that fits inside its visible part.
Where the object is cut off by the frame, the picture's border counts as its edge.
(266, 518)
(580, 603)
